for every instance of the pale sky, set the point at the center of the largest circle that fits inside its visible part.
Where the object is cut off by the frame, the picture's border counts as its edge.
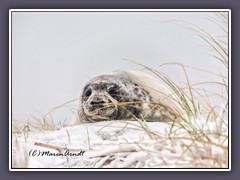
(54, 54)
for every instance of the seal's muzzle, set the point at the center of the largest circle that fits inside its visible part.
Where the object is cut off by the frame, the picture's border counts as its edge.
(100, 107)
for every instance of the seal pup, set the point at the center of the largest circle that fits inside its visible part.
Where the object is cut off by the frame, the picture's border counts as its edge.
(125, 95)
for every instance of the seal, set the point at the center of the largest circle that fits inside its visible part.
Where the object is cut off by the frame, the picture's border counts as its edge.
(125, 95)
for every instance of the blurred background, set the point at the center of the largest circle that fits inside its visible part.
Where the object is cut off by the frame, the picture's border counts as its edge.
(55, 53)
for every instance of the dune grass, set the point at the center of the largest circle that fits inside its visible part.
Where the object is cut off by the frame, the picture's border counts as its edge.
(198, 113)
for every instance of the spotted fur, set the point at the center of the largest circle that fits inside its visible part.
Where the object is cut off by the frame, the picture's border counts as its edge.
(125, 95)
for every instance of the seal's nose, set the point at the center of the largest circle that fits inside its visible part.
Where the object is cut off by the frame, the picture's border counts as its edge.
(97, 103)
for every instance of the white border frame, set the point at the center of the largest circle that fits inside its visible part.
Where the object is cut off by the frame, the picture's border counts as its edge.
(117, 10)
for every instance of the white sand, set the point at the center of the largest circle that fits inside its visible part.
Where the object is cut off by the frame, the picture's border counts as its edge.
(122, 144)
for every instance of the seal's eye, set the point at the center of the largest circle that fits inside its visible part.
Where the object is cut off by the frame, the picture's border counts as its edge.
(88, 92)
(113, 92)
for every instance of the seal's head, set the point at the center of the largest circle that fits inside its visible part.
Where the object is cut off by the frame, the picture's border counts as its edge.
(100, 97)
(104, 98)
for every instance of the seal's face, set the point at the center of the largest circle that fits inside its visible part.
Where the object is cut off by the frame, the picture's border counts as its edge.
(101, 97)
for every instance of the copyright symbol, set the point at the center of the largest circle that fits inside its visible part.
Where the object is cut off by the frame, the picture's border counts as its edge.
(33, 153)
